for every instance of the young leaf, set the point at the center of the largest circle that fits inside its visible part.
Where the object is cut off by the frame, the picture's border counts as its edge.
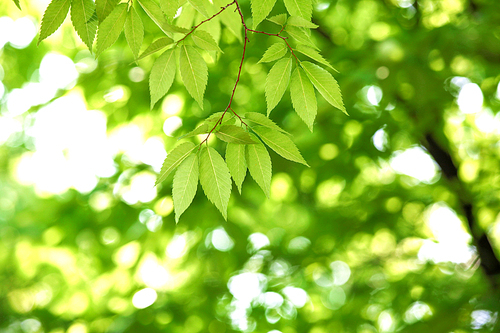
(162, 75)
(262, 120)
(215, 179)
(299, 21)
(205, 41)
(236, 162)
(17, 4)
(325, 83)
(154, 12)
(84, 18)
(277, 81)
(194, 72)
(170, 7)
(303, 97)
(234, 134)
(230, 18)
(279, 19)
(259, 165)
(260, 10)
(104, 8)
(111, 28)
(185, 185)
(202, 129)
(199, 6)
(275, 52)
(174, 158)
(53, 17)
(302, 8)
(299, 35)
(134, 31)
(313, 54)
(280, 143)
(156, 46)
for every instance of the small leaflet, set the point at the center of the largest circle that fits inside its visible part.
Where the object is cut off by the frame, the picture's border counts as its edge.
(260, 10)
(234, 134)
(84, 19)
(205, 41)
(237, 163)
(199, 6)
(299, 35)
(299, 21)
(104, 8)
(162, 75)
(156, 46)
(259, 165)
(279, 19)
(262, 120)
(313, 54)
(275, 52)
(194, 72)
(276, 82)
(202, 129)
(215, 179)
(174, 158)
(230, 18)
(281, 144)
(111, 28)
(302, 8)
(169, 8)
(17, 4)
(134, 31)
(53, 17)
(155, 13)
(185, 185)
(325, 83)
(303, 97)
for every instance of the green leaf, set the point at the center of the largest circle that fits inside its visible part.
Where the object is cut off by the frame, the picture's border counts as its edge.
(194, 72)
(156, 46)
(174, 158)
(234, 134)
(162, 75)
(303, 97)
(302, 8)
(280, 143)
(278, 19)
(199, 6)
(134, 31)
(262, 120)
(299, 21)
(84, 18)
(111, 28)
(154, 12)
(325, 83)
(299, 35)
(17, 4)
(53, 17)
(170, 7)
(260, 10)
(277, 81)
(104, 8)
(275, 52)
(202, 129)
(230, 18)
(215, 179)
(313, 54)
(205, 41)
(185, 185)
(236, 162)
(259, 165)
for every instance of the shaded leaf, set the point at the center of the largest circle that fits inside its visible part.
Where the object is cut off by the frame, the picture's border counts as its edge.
(234, 134)
(299, 21)
(104, 8)
(205, 41)
(275, 52)
(230, 18)
(84, 19)
(134, 31)
(325, 83)
(302, 8)
(277, 81)
(303, 97)
(156, 46)
(313, 54)
(259, 165)
(236, 162)
(174, 158)
(199, 6)
(278, 19)
(260, 10)
(53, 17)
(17, 4)
(185, 185)
(111, 28)
(280, 143)
(194, 72)
(162, 75)
(155, 13)
(299, 35)
(215, 179)
(262, 120)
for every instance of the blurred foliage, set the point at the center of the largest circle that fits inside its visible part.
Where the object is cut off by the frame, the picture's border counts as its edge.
(87, 244)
